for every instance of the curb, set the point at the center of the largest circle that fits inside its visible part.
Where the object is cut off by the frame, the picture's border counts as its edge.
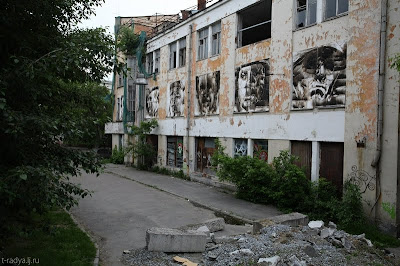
(97, 256)
(219, 213)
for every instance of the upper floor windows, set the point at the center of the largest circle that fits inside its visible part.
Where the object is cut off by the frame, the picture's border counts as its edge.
(306, 12)
(153, 62)
(216, 38)
(172, 55)
(182, 52)
(149, 62)
(202, 47)
(309, 12)
(335, 7)
(157, 61)
(255, 23)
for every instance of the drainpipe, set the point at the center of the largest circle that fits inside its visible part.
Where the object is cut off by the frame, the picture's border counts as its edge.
(189, 85)
(382, 63)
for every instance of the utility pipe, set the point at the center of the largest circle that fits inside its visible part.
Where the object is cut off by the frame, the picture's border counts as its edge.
(382, 65)
(189, 85)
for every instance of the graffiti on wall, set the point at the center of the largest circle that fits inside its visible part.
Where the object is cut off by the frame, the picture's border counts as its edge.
(152, 100)
(319, 77)
(175, 98)
(240, 148)
(207, 89)
(252, 87)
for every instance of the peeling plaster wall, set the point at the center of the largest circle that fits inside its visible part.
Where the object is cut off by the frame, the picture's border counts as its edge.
(360, 29)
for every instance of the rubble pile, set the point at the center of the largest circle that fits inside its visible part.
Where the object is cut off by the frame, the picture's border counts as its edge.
(278, 244)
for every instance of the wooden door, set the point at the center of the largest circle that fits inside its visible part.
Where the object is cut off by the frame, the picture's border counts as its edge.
(331, 165)
(303, 150)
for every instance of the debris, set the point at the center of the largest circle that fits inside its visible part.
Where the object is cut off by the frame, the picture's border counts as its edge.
(126, 251)
(244, 251)
(310, 251)
(185, 262)
(294, 261)
(332, 225)
(315, 224)
(174, 240)
(272, 261)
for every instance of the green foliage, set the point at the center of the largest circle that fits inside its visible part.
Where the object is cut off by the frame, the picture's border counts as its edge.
(65, 243)
(140, 148)
(395, 62)
(285, 185)
(49, 72)
(117, 156)
(127, 41)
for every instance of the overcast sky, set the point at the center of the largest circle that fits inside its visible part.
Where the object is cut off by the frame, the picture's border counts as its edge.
(106, 14)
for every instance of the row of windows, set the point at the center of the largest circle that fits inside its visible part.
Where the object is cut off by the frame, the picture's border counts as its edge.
(309, 11)
(254, 25)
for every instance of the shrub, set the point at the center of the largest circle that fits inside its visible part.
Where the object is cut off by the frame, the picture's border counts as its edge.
(350, 210)
(117, 156)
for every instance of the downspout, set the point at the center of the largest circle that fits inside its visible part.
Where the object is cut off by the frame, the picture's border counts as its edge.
(382, 64)
(189, 85)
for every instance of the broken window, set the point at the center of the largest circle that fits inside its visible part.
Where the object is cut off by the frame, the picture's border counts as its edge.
(335, 7)
(203, 44)
(255, 23)
(175, 151)
(240, 148)
(306, 12)
(260, 149)
(149, 62)
(216, 38)
(157, 61)
(172, 55)
(182, 52)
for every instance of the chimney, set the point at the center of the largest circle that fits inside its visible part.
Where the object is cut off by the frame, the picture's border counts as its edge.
(185, 14)
(201, 4)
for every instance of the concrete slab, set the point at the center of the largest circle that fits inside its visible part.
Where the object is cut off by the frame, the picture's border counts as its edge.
(174, 240)
(292, 219)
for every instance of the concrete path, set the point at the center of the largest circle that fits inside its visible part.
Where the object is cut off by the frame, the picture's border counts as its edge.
(127, 202)
(204, 195)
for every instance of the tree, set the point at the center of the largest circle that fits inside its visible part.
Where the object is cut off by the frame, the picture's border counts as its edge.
(49, 69)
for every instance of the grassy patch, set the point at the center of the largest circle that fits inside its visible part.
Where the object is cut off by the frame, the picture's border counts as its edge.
(52, 238)
(372, 232)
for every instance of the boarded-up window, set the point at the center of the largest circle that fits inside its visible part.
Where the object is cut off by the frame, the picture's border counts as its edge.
(260, 149)
(175, 151)
(331, 166)
(205, 148)
(303, 150)
(240, 148)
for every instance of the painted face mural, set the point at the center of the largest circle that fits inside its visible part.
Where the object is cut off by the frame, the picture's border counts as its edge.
(252, 87)
(207, 89)
(152, 98)
(319, 77)
(175, 99)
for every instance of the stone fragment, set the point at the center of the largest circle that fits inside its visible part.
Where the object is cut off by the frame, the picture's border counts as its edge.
(327, 232)
(310, 251)
(216, 224)
(272, 261)
(336, 243)
(241, 240)
(210, 247)
(204, 229)
(174, 240)
(244, 251)
(332, 225)
(126, 251)
(315, 224)
(273, 235)
(294, 261)
(346, 243)
(291, 219)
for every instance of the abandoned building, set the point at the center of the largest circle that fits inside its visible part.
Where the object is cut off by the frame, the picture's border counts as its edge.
(309, 76)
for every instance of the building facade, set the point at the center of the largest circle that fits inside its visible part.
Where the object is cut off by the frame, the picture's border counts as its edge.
(309, 76)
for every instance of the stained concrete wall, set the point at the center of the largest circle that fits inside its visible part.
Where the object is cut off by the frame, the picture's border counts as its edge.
(351, 123)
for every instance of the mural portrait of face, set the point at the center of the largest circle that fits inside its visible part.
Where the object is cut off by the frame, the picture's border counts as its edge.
(176, 99)
(207, 89)
(252, 87)
(152, 98)
(319, 77)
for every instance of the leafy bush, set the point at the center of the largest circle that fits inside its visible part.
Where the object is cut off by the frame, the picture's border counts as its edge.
(285, 185)
(118, 155)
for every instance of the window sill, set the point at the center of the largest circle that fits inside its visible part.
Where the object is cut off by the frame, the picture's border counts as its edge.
(305, 27)
(254, 43)
(215, 55)
(198, 60)
(317, 108)
(337, 16)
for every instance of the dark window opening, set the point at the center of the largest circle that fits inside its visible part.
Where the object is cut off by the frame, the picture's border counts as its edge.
(260, 149)
(157, 61)
(205, 148)
(172, 55)
(335, 7)
(175, 151)
(255, 23)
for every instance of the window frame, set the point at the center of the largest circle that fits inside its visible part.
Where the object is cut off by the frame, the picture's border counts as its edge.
(157, 61)
(149, 63)
(202, 48)
(175, 140)
(182, 52)
(307, 13)
(172, 54)
(336, 11)
(217, 33)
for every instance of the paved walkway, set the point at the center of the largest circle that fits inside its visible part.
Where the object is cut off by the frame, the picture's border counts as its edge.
(200, 194)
